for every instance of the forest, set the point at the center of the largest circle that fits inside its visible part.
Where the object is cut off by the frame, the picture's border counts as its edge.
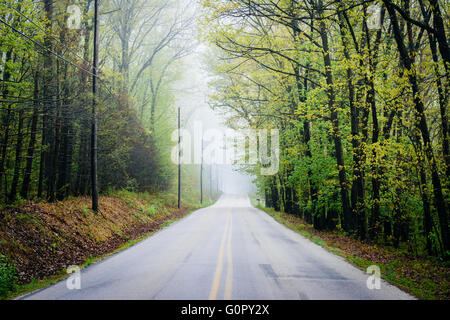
(47, 100)
(359, 91)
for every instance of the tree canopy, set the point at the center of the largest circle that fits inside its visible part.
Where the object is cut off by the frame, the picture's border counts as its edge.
(359, 91)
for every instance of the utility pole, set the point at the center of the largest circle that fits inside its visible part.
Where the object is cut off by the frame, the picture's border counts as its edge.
(217, 180)
(210, 181)
(179, 157)
(201, 176)
(94, 114)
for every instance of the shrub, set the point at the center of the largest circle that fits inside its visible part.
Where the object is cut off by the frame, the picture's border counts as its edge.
(7, 277)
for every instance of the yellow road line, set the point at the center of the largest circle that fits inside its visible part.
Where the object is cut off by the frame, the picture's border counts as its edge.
(229, 282)
(216, 282)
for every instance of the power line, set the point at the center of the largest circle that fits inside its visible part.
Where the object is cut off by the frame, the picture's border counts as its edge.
(50, 35)
(47, 49)
(101, 82)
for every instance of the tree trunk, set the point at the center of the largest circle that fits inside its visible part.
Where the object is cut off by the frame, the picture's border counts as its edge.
(440, 34)
(49, 112)
(423, 127)
(31, 144)
(6, 120)
(427, 219)
(63, 181)
(335, 126)
(18, 159)
(55, 142)
(274, 194)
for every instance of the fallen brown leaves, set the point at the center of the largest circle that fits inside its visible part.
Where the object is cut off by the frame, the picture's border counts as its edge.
(43, 239)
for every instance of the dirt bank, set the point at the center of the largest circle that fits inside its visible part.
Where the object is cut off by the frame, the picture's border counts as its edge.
(42, 239)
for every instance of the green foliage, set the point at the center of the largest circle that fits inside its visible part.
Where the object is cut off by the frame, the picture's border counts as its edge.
(270, 71)
(136, 104)
(8, 280)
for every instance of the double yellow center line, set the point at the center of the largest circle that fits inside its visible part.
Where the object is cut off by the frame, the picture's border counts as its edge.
(226, 239)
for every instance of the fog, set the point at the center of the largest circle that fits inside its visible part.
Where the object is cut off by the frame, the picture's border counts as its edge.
(192, 98)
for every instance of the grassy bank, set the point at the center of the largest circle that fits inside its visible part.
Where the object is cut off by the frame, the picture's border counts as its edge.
(38, 241)
(423, 277)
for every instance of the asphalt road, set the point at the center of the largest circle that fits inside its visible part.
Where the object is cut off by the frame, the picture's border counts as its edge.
(228, 251)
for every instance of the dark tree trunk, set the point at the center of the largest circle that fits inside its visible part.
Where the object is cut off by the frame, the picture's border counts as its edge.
(387, 226)
(268, 197)
(443, 93)
(94, 163)
(49, 112)
(42, 155)
(288, 200)
(374, 221)
(82, 178)
(63, 181)
(357, 187)
(335, 126)
(83, 163)
(18, 159)
(295, 205)
(6, 120)
(440, 34)
(442, 90)
(55, 145)
(397, 226)
(423, 127)
(275, 195)
(31, 145)
(301, 92)
(427, 219)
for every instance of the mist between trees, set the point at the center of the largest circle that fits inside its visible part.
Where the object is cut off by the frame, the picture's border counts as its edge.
(228, 147)
(359, 92)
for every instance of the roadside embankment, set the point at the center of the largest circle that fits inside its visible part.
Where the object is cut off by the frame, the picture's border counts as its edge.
(424, 277)
(41, 240)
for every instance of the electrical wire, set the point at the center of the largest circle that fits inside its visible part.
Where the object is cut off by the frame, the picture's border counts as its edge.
(51, 36)
(47, 49)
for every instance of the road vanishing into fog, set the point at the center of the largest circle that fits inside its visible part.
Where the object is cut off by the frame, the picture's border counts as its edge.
(228, 251)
